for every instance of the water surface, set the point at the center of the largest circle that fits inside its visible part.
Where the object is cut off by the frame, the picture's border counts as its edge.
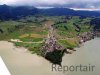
(20, 62)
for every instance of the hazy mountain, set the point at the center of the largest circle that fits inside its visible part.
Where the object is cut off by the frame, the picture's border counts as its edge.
(8, 12)
(66, 11)
(12, 12)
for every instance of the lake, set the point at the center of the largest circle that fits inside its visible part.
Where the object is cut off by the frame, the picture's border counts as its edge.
(21, 62)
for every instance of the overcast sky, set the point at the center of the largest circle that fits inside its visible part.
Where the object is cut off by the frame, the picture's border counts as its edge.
(86, 4)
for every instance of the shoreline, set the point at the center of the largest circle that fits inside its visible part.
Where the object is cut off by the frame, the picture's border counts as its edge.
(26, 63)
(50, 56)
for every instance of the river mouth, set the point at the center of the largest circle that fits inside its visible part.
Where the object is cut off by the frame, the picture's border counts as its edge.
(22, 62)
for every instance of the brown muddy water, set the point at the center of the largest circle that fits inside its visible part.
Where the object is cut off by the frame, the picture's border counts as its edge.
(21, 62)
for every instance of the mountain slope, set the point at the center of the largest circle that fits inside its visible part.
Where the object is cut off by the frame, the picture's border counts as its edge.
(8, 12)
(66, 11)
(12, 12)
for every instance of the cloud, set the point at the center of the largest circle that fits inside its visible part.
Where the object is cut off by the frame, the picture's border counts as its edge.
(55, 3)
(32, 2)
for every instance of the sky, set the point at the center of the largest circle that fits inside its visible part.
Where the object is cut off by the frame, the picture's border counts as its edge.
(78, 4)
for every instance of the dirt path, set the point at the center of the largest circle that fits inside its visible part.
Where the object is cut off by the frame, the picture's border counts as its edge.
(18, 40)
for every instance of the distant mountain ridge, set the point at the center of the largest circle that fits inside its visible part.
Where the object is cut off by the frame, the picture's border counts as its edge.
(9, 12)
(66, 11)
(12, 12)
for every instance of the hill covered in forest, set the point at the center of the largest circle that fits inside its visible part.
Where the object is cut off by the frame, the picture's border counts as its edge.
(17, 12)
